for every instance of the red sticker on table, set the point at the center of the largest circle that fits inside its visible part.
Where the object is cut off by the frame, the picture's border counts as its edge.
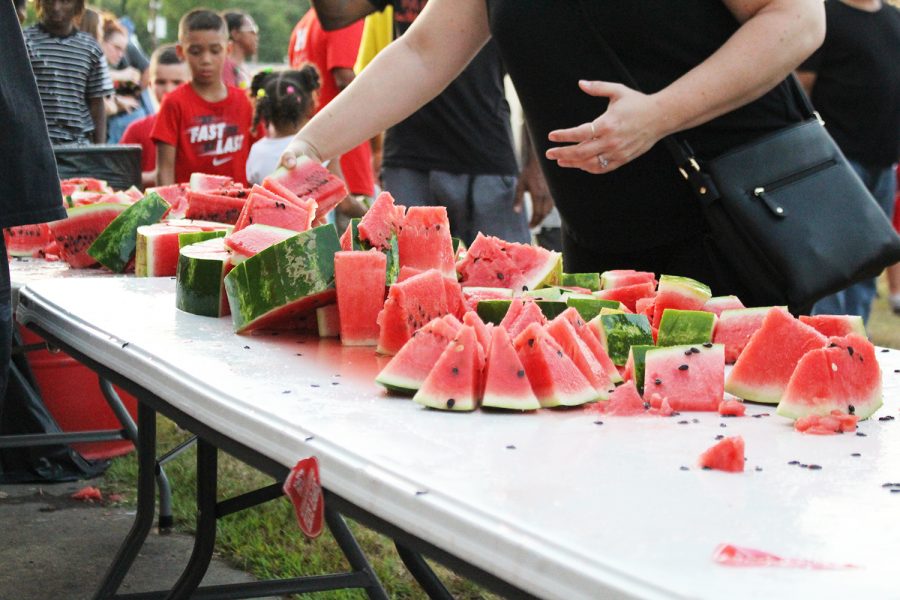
(304, 489)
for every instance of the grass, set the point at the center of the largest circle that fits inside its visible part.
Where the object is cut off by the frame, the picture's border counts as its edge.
(266, 542)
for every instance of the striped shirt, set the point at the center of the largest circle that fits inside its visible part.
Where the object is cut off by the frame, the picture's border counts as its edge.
(69, 71)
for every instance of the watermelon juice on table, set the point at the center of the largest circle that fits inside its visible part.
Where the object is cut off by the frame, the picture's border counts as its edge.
(360, 282)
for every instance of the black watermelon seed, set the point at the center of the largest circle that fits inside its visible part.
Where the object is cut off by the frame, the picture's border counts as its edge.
(125, 345)
(759, 468)
(707, 468)
(298, 354)
(707, 344)
(688, 352)
(450, 402)
(895, 491)
(861, 434)
(832, 345)
(598, 422)
(722, 425)
(815, 467)
(421, 492)
(335, 383)
(683, 468)
(695, 350)
(851, 409)
(524, 288)
(559, 353)
(682, 422)
(531, 343)
(309, 438)
(657, 381)
(286, 392)
(455, 371)
(886, 418)
(510, 447)
(857, 454)
(720, 437)
(850, 350)
(314, 385)
(500, 276)
(888, 485)
(695, 420)
(896, 370)
(682, 367)
(794, 462)
(885, 349)
(246, 347)
(521, 373)
(646, 406)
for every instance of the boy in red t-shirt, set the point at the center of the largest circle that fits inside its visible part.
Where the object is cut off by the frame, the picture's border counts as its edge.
(167, 72)
(203, 126)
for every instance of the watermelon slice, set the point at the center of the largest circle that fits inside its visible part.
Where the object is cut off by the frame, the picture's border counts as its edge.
(538, 267)
(454, 381)
(328, 321)
(727, 455)
(573, 345)
(736, 326)
(628, 295)
(554, 378)
(486, 265)
(483, 332)
(679, 327)
(593, 342)
(156, 254)
(204, 206)
(175, 195)
(115, 247)
(845, 376)
(516, 321)
(360, 281)
(310, 179)
(199, 280)
(253, 239)
(764, 368)
(410, 305)
(201, 182)
(690, 377)
(679, 292)
(27, 240)
(618, 278)
(407, 370)
(424, 240)
(262, 210)
(505, 383)
(717, 304)
(382, 221)
(836, 325)
(75, 234)
(285, 282)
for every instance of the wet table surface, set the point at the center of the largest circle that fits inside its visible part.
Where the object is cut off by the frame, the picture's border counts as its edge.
(554, 501)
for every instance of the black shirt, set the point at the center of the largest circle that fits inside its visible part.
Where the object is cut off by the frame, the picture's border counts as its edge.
(29, 184)
(857, 87)
(547, 46)
(466, 129)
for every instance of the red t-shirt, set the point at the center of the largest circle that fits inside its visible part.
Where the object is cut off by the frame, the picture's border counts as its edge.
(329, 50)
(209, 137)
(138, 132)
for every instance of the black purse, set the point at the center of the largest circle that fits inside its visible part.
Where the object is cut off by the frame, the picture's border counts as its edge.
(786, 211)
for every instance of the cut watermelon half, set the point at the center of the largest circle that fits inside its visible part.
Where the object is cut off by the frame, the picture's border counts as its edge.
(454, 381)
(506, 384)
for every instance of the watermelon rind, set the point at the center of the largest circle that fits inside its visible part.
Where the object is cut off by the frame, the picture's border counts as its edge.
(679, 327)
(589, 306)
(637, 363)
(285, 280)
(328, 321)
(618, 332)
(551, 308)
(199, 278)
(192, 237)
(493, 311)
(589, 281)
(546, 293)
(545, 275)
(686, 286)
(115, 246)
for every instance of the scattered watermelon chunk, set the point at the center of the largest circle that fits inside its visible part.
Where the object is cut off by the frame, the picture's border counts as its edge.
(732, 408)
(727, 455)
(625, 401)
(836, 422)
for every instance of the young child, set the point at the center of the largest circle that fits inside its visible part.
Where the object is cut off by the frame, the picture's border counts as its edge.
(71, 74)
(285, 101)
(203, 126)
(167, 72)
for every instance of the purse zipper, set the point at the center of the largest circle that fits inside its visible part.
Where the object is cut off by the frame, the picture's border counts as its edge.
(762, 192)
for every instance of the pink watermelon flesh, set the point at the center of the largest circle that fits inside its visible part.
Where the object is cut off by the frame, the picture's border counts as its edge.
(410, 304)
(718, 304)
(535, 264)
(75, 234)
(625, 401)
(454, 381)
(212, 207)
(568, 339)
(506, 384)
(629, 294)
(158, 248)
(407, 370)
(554, 378)
(732, 408)
(482, 331)
(735, 327)
(201, 182)
(262, 210)
(383, 220)
(591, 340)
(617, 278)
(529, 314)
(254, 239)
(310, 179)
(406, 272)
(836, 325)
(473, 295)
(360, 281)
(843, 375)
(764, 368)
(282, 192)
(681, 293)
(27, 240)
(456, 304)
(727, 455)
(689, 378)
(836, 422)
(175, 195)
(425, 242)
(486, 264)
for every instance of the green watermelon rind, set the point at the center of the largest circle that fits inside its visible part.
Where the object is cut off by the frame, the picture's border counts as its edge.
(296, 271)
(590, 281)
(199, 279)
(589, 306)
(686, 286)
(544, 293)
(638, 357)
(192, 237)
(621, 331)
(546, 275)
(551, 308)
(493, 310)
(116, 245)
(680, 327)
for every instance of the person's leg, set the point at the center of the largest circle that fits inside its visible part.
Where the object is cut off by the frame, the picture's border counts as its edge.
(453, 191)
(492, 200)
(6, 323)
(409, 187)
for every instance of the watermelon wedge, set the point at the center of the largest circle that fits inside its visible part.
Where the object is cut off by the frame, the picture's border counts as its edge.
(205, 206)
(383, 220)
(689, 378)
(505, 383)
(199, 279)
(262, 210)
(360, 282)
(310, 179)
(253, 239)
(75, 234)
(410, 305)
(836, 325)
(116, 245)
(554, 378)
(735, 328)
(424, 240)
(573, 345)
(454, 381)
(407, 370)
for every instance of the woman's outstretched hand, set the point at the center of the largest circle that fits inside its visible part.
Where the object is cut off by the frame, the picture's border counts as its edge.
(631, 125)
(297, 149)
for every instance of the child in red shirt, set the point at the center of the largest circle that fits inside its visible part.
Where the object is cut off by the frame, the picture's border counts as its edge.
(204, 125)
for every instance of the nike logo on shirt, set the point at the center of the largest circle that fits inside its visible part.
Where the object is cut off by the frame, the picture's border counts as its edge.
(221, 161)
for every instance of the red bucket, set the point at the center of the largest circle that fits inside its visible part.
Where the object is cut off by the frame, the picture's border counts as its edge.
(71, 392)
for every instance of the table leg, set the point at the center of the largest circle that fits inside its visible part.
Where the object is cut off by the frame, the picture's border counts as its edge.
(146, 502)
(423, 573)
(350, 547)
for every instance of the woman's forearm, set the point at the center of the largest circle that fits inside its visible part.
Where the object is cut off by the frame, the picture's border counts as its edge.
(775, 37)
(402, 78)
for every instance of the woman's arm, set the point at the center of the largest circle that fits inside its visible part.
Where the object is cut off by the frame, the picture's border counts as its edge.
(775, 36)
(401, 79)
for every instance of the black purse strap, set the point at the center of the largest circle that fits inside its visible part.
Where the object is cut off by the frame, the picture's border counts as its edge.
(682, 153)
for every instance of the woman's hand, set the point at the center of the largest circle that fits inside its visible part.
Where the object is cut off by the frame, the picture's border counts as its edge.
(631, 125)
(296, 150)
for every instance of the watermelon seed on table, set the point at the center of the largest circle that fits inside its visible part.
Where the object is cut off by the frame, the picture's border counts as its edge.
(309, 438)
(794, 462)
(246, 347)
(722, 425)
(856, 454)
(315, 385)
(335, 383)
(421, 492)
(682, 422)
(510, 447)
(695, 420)
(814, 467)
(598, 422)
(683, 468)
(861, 434)
(886, 418)
(721, 437)
(759, 468)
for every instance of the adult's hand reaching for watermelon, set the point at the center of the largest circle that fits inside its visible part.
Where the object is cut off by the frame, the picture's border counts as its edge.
(297, 149)
(631, 125)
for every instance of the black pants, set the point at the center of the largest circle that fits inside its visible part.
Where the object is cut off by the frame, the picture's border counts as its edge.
(5, 321)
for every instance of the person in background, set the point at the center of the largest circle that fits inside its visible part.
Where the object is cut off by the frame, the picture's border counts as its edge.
(893, 272)
(285, 101)
(167, 72)
(126, 106)
(203, 126)
(622, 201)
(334, 53)
(457, 150)
(244, 36)
(21, 10)
(91, 22)
(853, 80)
(29, 183)
(71, 74)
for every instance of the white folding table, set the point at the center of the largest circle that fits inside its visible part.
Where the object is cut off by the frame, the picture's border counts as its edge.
(557, 504)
